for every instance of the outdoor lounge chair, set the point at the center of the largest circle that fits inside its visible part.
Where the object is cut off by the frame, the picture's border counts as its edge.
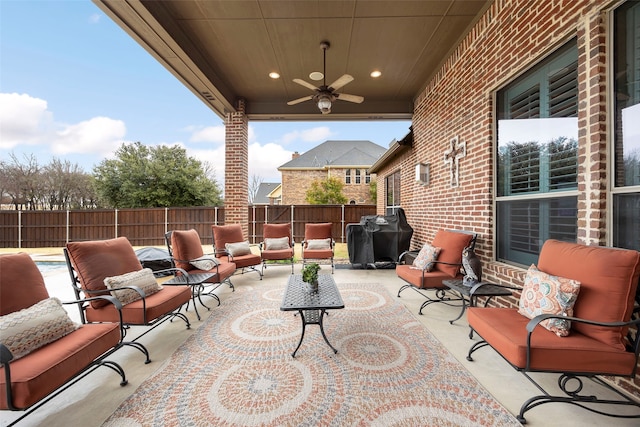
(230, 245)
(277, 245)
(90, 263)
(428, 276)
(601, 336)
(42, 351)
(185, 249)
(318, 243)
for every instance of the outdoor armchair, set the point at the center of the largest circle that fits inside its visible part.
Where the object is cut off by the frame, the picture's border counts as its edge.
(230, 245)
(91, 262)
(578, 318)
(277, 245)
(42, 351)
(185, 249)
(440, 260)
(318, 243)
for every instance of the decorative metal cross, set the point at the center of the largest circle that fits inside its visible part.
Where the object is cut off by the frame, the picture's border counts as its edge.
(452, 156)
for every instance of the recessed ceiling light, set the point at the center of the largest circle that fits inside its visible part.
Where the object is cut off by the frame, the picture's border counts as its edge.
(316, 75)
(375, 74)
(274, 75)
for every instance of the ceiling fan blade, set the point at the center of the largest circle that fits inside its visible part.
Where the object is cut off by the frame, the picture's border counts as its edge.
(346, 78)
(351, 98)
(299, 100)
(305, 84)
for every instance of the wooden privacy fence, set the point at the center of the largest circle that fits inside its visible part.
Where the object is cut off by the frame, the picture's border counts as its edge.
(146, 227)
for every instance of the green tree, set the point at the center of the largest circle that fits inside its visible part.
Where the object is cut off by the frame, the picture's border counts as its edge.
(373, 190)
(161, 176)
(327, 192)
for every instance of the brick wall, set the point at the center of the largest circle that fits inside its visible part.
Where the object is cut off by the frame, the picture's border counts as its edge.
(236, 176)
(510, 38)
(295, 184)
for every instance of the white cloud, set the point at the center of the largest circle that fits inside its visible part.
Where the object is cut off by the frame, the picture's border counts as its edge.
(23, 120)
(215, 134)
(97, 135)
(316, 134)
(94, 18)
(264, 161)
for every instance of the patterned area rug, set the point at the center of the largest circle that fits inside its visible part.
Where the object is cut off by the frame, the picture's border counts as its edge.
(238, 370)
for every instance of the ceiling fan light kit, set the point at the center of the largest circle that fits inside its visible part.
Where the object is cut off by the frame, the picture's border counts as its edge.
(325, 95)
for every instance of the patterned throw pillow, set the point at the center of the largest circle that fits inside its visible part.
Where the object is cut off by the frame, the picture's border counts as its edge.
(205, 262)
(426, 257)
(144, 279)
(31, 328)
(237, 249)
(543, 293)
(276, 244)
(319, 244)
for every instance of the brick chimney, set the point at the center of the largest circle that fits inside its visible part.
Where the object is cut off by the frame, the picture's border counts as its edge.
(295, 155)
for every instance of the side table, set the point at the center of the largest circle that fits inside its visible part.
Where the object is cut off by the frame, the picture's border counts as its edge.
(195, 281)
(469, 295)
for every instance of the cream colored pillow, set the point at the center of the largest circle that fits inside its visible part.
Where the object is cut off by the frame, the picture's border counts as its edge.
(237, 249)
(318, 244)
(275, 244)
(33, 327)
(205, 262)
(143, 279)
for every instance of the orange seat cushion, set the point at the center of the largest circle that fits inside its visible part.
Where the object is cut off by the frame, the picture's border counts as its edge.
(185, 246)
(608, 278)
(95, 260)
(272, 231)
(317, 230)
(168, 299)
(431, 280)
(505, 330)
(223, 234)
(21, 283)
(39, 373)
(451, 245)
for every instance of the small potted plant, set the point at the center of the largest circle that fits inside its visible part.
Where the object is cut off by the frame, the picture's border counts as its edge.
(310, 275)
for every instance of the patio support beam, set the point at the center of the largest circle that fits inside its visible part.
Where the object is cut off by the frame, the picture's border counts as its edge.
(236, 175)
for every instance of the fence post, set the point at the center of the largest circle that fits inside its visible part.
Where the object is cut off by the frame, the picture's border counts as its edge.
(253, 223)
(67, 226)
(19, 228)
(292, 225)
(166, 221)
(116, 221)
(342, 226)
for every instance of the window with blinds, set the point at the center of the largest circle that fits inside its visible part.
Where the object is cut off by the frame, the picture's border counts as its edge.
(537, 154)
(625, 181)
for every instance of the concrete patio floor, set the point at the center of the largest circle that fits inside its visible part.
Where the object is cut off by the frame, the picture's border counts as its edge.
(94, 398)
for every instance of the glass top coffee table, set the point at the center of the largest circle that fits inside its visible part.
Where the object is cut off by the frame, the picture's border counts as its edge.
(311, 306)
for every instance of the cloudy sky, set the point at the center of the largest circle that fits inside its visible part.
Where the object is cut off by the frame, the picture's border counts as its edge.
(73, 85)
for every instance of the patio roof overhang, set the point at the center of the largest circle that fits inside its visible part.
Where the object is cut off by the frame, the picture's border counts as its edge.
(224, 50)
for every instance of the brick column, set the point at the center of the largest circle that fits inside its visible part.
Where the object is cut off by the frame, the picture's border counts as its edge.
(236, 175)
(592, 128)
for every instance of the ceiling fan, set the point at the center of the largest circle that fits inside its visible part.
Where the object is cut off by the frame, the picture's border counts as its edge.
(326, 95)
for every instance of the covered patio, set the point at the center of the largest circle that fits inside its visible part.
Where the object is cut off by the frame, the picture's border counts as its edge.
(91, 401)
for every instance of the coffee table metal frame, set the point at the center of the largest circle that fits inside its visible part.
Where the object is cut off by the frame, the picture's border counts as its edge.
(196, 282)
(312, 306)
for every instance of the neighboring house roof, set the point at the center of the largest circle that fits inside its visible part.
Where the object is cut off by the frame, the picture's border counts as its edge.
(264, 189)
(395, 149)
(334, 154)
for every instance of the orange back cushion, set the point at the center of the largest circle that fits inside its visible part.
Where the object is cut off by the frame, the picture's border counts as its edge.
(95, 260)
(608, 278)
(186, 245)
(272, 231)
(21, 283)
(223, 234)
(317, 231)
(451, 245)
